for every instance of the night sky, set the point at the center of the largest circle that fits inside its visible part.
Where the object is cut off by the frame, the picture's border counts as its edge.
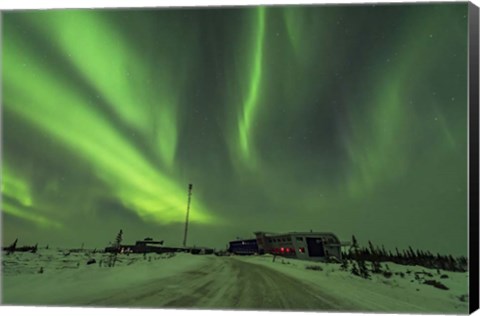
(348, 119)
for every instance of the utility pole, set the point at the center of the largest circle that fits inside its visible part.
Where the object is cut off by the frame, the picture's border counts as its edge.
(190, 186)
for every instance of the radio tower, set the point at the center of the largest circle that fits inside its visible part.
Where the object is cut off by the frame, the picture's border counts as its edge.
(190, 186)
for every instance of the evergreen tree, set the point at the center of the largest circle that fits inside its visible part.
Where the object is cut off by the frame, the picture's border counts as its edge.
(372, 249)
(364, 273)
(412, 254)
(354, 269)
(420, 253)
(384, 252)
(112, 259)
(366, 254)
(376, 267)
(354, 245)
(118, 240)
(398, 255)
(380, 254)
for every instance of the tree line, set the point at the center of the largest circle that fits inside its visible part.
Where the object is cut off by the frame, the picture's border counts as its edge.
(410, 256)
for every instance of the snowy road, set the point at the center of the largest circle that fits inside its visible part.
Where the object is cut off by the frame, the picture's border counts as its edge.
(223, 282)
(242, 283)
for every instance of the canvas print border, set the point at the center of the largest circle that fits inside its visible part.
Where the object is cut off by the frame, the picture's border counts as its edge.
(473, 157)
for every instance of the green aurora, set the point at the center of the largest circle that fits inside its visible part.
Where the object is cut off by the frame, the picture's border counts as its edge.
(350, 119)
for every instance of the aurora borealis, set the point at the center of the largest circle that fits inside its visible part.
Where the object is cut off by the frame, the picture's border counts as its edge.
(349, 119)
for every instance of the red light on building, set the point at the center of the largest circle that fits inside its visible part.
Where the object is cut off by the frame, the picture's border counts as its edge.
(302, 250)
(282, 249)
(288, 249)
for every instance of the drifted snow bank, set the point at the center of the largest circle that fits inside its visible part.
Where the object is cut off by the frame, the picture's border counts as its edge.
(394, 294)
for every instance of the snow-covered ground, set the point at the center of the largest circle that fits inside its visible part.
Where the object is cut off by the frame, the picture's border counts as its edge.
(207, 281)
(68, 280)
(394, 294)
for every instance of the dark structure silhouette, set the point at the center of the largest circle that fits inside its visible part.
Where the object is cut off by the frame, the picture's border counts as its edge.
(190, 187)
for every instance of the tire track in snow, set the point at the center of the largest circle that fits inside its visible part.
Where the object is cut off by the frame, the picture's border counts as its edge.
(225, 283)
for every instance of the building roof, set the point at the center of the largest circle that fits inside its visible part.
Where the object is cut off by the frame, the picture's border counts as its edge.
(311, 233)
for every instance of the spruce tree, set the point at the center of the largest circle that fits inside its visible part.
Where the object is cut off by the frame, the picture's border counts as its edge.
(364, 273)
(354, 245)
(117, 244)
(354, 269)
(372, 249)
(118, 240)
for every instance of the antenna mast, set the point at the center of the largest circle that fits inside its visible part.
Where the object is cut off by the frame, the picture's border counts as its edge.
(190, 186)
